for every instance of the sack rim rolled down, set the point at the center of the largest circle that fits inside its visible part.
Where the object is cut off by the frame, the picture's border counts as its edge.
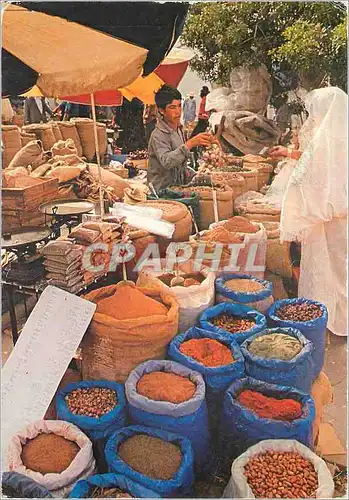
(207, 370)
(244, 297)
(165, 407)
(84, 421)
(161, 484)
(280, 364)
(270, 390)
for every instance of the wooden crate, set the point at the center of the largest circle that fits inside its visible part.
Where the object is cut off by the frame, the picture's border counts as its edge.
(30, 197)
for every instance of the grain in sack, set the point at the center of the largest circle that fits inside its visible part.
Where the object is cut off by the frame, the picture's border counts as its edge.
(32, 154)
(276, 462)
(168, 396)
(130, 326)
(175, 212)
(56, 131)
(85, 130)
(244, 289)
(59, 451)
(43, 132)
(69, 131)
(11, 142)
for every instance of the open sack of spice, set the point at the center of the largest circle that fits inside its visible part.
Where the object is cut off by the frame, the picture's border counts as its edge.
(130, 325)
(194, 291)
(169, 396)
(244, 289)
(252, 257)
(54, 453)
(254, 410)
(157, 459)
(257, 207)
(279, 468)
(111, 486)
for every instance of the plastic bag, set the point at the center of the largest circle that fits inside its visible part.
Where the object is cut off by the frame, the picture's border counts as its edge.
(81, 467)
(239, 488)
(188, 419)
(180, 485)
(192, 300)
(84, 488)
(241, 428)
(95, 428)
(236, 310)
(314, 330)
(297, 372)
(15, 485)
(260, 300)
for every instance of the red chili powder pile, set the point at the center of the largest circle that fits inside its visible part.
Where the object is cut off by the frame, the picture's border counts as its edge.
(163, 386)
(267, 407)
(208, 352)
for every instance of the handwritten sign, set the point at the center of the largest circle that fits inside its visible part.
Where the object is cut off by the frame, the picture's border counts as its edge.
(40, 358)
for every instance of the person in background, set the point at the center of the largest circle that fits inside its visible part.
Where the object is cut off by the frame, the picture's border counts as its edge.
(168, 151)
(314, 207)
(36, 110)
(202, 123)
(7, 112)
(189, 109)
(149, 120)
(68, 110)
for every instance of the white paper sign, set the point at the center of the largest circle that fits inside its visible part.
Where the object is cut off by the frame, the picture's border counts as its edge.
(40, 358)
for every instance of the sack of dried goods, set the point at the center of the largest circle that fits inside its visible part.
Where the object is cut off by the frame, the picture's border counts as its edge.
(240, 321)
(69, 131)
(307, 316)
(110, 486)
(43, 132)
(175, 212)
(102, 138)
(188, 199)
(216, 356)
(279, 468)
(109, 179)
(157, 459)
(278, 253)
(63, 148)
(170, 396)
(27, 137)
(85, 130)
(56, 131)
(251, 178)
(31, 154)
(234, 180)
(15, 485)
(11, 142)
(245, 289)
(130, 325)
(280, 356)
(194, 295)
(254, 410)
(54, 453)
(256, 207)
(96, 407)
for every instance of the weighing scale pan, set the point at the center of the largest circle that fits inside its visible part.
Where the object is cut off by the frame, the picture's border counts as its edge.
(24, 237)
(66, 207)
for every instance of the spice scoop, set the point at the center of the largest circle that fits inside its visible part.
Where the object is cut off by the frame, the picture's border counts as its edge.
(177, 280)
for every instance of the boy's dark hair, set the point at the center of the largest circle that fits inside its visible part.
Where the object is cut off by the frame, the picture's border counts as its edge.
(165, 95)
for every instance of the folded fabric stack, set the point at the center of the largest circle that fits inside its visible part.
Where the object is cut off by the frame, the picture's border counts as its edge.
(63, 264)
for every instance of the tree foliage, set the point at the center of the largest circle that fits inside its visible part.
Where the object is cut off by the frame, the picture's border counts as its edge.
(309, 37)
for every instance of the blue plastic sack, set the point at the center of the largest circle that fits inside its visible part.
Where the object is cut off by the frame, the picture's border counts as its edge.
(181, 483)
(95, 428)
(84, 488)
(298, 372)
(260, 300)
(236, 310)
(314, 330)
(16, 485)
(241, 428)
(189, 419)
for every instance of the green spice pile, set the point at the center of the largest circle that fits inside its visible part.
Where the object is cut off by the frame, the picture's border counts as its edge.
(275, 346)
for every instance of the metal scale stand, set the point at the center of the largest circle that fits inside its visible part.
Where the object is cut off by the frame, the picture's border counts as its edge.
(65, 213)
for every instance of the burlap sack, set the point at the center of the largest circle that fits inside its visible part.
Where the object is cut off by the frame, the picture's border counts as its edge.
(112, 348)
(251, 179)
(264, 171)
(69, 131)
(278, 254)
(43, 132)
(31, 154)
(56, 131)
(62, 148)
(175, 212)
(262, 217)
(102, 138)
(224, 203)
(27, 137)
(109, 179)
(84, 127)
(11, 141)
(234, 180)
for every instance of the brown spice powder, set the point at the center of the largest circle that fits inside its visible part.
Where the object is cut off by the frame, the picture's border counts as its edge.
(162, 386)
(49, 453)
(151, 456)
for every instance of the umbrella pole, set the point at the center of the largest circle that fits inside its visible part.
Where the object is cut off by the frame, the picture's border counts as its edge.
(93, 107)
